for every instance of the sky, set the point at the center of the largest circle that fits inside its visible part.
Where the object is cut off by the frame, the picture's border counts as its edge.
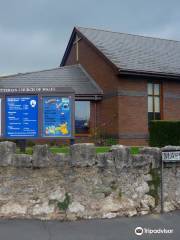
(35, 33)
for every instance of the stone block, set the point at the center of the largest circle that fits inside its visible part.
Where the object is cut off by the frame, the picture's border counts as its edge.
(170, 148)
(42, 209)
(141, 160)
(83, 154)
(101, 160)
(147, 202)
(58, 194)
(42, 157)
(121, 156)
(155, 153)
(7, 149)
(22, 160)
(76, 207)
(142, 189)
(12, 209)
(61, 159)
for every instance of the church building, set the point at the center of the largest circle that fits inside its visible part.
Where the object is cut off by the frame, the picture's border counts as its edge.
(121, 83)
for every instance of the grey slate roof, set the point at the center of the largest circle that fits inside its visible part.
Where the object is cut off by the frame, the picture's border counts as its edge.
(69, 76)
(136, 53)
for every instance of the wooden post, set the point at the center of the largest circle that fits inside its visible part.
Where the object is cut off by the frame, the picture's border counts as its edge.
(72, 141)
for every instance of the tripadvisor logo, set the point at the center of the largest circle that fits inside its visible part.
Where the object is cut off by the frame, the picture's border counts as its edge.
(139, 231)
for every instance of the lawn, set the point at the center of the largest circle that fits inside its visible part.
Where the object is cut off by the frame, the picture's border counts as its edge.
(56, 149)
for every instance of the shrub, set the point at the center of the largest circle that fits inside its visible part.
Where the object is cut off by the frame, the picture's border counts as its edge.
(64, 205)
(164, 133)
(154, 184)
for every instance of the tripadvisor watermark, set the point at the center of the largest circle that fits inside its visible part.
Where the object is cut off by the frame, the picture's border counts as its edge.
(140, 231)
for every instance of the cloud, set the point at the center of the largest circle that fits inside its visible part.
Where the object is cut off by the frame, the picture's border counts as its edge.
(168, 31)
(34, 34)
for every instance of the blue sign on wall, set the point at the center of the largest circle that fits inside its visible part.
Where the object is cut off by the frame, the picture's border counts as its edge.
(56, 117)
(21, 116)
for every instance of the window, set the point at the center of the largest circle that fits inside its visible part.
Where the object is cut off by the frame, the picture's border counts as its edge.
(82, 117)
(153, 101)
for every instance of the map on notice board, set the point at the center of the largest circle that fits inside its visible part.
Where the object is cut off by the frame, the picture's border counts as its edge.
(56, 117)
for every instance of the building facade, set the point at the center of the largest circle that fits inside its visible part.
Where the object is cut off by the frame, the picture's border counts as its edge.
(121, 83)
(139, 76)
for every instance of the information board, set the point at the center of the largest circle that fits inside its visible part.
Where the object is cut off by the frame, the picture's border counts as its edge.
(56, 117)
(21, 116)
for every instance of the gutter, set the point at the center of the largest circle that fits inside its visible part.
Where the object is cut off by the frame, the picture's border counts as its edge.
(148, 74)
(90, 97)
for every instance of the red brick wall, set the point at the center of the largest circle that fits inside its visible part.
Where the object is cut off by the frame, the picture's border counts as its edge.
(171, 106)
(124, 115)
(133, 114)
(105, 76)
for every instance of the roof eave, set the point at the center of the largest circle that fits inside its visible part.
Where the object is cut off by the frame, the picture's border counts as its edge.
(68, 47)
(148, 74)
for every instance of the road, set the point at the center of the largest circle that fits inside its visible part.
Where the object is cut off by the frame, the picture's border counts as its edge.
(107, 229)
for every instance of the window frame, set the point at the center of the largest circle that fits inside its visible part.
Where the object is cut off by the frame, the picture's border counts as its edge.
(153, 95)
(89, 132)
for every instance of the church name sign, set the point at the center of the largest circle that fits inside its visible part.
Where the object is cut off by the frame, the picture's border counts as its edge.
(29, 89)
(36, 113)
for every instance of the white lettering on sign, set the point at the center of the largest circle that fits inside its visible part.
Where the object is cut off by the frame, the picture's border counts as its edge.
(171, 156)
(27, 89)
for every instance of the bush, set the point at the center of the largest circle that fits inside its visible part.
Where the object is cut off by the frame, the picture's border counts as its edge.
(64, 205)
(163, 133)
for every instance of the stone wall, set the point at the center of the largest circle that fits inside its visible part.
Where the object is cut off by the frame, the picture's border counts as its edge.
(83, 184)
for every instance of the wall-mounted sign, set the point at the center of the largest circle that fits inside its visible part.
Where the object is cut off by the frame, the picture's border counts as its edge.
(21, 116)
(36, 113)
(56, 116)
(28, 90)
(171, 156)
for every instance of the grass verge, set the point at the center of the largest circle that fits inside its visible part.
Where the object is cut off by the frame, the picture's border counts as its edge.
(66, 150)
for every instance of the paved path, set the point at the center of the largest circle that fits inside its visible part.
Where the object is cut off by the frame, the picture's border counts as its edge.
(109, 229)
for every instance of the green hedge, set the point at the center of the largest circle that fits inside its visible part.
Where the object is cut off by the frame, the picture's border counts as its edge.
(164, 133)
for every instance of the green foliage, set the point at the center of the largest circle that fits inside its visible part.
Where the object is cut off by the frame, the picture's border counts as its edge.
(111, 141)
(107, 191)
(113, 185)
(30, 143)
(102, 149)
(104, 140)
(52, 143)
(29, 151)
(164, 133)
(59, 150)
(134, 150)
(63, 206)
(66, 150)
(120, 194)
(154, 184)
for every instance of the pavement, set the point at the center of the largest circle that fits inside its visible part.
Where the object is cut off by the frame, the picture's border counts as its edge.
(107, 229)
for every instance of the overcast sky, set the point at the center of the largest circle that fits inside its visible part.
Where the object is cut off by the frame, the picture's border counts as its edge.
(34, 33)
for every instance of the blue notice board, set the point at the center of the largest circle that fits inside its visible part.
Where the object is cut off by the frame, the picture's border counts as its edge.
(57, 117)
(21, 116)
